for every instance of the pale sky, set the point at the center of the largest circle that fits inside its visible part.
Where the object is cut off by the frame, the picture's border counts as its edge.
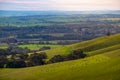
(68, 5)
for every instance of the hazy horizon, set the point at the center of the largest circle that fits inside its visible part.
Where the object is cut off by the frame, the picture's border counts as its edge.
(62, 5)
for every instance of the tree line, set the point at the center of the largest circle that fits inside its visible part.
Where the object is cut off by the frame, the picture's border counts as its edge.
(35, 59)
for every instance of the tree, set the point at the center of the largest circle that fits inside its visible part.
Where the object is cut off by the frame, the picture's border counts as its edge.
(44, 48)
(108, 33)
(57, 58)
(76, 55)
(22, 56)
(17, 50)
(37, 58)
(3, 61)
(3, 52)
(16, 63)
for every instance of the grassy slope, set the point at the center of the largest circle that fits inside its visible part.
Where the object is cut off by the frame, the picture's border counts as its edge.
(98, 67)
(98, 43)
(104, 66)
(94, 46)
(104, 50)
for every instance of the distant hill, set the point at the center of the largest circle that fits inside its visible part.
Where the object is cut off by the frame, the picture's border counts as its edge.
(28, 13)
(103, 65)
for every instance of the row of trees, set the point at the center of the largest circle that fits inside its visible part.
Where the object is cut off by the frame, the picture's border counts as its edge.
(77, 54)
(14, 50)
(18, 50)
(24, 60)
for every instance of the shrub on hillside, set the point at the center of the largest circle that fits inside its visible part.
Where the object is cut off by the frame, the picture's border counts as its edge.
(3, 61)
(16, 64)
(37, 58)
(44, 48)
(56, 58)
(77, 54)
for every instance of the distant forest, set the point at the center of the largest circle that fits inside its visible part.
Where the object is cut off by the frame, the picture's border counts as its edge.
(74, 27)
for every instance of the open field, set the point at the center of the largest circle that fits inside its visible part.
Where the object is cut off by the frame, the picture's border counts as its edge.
(3, 47)
(111, 19)
(34, 46)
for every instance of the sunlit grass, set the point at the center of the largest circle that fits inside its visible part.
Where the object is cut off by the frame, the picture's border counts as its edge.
(34, 46)
(102, 64)
(104, 50)
(93, 67)
(90, 47)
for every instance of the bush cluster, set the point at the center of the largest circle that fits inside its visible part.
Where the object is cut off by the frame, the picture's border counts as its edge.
(76, 54)
(25, 60)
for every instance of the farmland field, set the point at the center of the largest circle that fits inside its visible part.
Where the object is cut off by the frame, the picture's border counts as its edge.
(34, 46)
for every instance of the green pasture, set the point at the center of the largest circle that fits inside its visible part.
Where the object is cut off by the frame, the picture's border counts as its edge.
(34, 46)
(102, 63)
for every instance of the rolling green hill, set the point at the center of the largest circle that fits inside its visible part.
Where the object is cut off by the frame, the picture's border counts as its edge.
(101, 64)
(98, 67)
(105, 50)
(90, 47)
